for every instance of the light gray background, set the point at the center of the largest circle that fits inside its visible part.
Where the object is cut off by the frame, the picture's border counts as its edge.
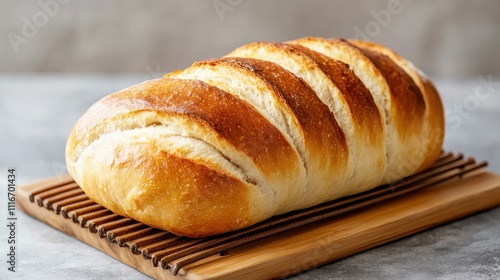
(447, 39)
(89, 49)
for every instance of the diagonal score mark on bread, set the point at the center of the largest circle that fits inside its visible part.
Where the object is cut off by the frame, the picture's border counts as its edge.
(187, 108)
(434, 109)
(238, 79)
(270, 128)
(294, 107)
(175, 138)
(155, 105)
(360, 121)
(396, 96)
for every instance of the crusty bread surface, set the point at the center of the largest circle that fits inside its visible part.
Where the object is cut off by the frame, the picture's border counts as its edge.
(269, 128)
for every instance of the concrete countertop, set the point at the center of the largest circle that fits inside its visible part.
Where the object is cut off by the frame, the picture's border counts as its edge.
(38, 111)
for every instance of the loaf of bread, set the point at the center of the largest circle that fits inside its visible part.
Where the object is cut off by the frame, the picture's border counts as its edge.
(267, 129)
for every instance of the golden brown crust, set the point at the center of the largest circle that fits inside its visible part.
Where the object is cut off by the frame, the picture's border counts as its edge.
(362, 126)
(408, 106)
(361, 105)
(229, 117)
(399, 95)
(435, 119)
(434, 109)
(168, 192)
(229, 142)
(321, 137)
(219, 112)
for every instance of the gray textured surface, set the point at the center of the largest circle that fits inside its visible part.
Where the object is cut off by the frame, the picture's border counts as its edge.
(36, 115)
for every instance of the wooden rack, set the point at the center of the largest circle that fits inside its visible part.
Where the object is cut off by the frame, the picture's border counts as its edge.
(283, 245)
